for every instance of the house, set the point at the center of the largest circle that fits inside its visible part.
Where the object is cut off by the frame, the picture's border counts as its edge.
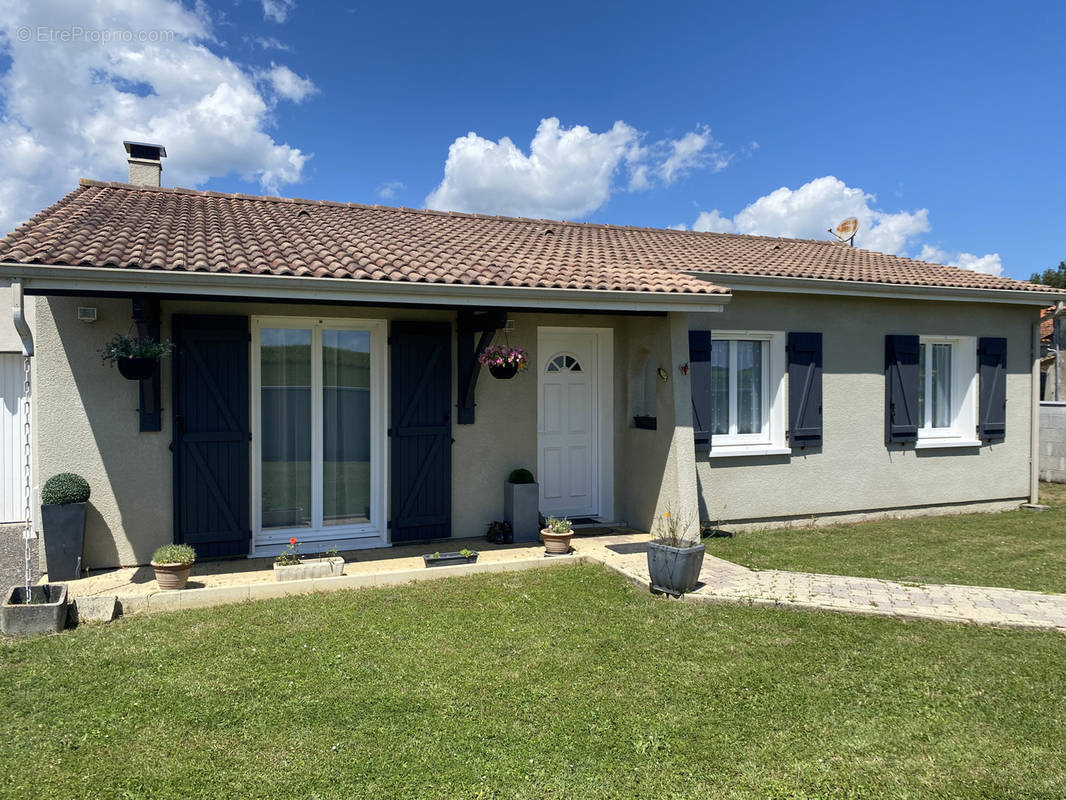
(325, 384)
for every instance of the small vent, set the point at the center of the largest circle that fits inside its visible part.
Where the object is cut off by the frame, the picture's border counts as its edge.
(86, 313)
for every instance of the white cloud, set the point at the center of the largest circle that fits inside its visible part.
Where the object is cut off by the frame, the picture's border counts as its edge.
(288, 85)
(67, 106)
(268, 43)
(277, 10)
(807, 213)
(388, 190)
(569, 172)
(989, 263)
(695, 150)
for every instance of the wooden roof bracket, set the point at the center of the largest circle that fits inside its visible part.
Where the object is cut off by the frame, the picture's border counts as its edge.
(468, 367)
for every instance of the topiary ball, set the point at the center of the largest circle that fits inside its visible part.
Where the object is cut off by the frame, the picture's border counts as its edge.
(65, 488)
(521, 476)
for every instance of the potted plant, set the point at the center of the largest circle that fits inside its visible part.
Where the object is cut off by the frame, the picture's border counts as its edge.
(503, 360)
(556, 535)
(64, 498)
(674, 557)
(137, 359)
(521, 500)
(172, 563)
(42, 610)
(291, 566)
(439, 559)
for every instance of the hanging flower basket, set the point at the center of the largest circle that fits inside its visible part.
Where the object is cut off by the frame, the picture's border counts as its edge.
(504, 372)
(137, 359)
(136, 369)
(504, 361)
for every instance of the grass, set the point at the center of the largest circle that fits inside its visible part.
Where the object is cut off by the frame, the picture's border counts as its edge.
(556, 683)
(1016, 549)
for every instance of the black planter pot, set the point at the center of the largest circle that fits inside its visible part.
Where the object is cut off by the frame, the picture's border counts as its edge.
(449, 559)
(674, 570)
(504, 372)
(64, 535)
(137, 369)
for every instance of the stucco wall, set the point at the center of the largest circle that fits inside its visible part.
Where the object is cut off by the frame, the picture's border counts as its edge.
(89, 422)
(854, 470)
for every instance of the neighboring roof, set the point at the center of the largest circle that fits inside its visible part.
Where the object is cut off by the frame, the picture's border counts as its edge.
(1047, 323)
(133, 227)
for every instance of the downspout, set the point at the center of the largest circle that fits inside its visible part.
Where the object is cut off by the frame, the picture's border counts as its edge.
(18, 315)
(1034, 420)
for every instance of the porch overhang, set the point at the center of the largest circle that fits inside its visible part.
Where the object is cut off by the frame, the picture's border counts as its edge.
(45, 279)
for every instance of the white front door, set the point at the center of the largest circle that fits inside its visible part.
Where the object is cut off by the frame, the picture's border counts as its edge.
(568, 424)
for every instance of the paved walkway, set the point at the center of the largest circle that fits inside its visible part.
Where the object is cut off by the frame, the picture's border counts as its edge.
(725, 581)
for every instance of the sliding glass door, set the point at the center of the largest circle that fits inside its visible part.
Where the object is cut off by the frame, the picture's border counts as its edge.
(319, 455)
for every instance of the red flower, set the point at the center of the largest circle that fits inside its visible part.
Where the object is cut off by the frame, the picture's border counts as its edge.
(293, 540)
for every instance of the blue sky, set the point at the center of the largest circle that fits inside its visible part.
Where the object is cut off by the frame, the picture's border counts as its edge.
(941, 123)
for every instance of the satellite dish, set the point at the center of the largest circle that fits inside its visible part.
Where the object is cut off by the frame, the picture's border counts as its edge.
(846, 230)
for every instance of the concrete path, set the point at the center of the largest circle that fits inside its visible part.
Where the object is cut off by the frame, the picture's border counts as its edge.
(729, 582)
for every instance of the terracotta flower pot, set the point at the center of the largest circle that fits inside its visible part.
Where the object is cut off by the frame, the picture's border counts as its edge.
(171, 576)
(556, 544)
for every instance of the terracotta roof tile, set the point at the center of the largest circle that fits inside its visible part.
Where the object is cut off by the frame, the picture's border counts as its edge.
(132, 227)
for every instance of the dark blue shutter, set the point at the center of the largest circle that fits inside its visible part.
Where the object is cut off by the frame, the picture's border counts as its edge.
(805, 389)
(421, 388)
(901, 388)
(992, 369)
(211, 432)
(699, 367)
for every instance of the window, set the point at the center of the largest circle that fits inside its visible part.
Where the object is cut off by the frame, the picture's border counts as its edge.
(747, 397)
(319, 442)
(947, 391)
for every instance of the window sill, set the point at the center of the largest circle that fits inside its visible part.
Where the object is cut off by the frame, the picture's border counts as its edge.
(735, 452)
(941, 444)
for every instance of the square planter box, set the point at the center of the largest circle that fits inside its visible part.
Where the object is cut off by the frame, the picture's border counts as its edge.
(310, 568)
(520, 508)
(674, 570)
(449, 559)
(46, 614)
(64, 536)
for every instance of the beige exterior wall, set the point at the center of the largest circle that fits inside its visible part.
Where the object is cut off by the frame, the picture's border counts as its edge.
(854, 471)
(88, 421)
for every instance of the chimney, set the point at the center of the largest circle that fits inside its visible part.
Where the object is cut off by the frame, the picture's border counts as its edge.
(145, 164)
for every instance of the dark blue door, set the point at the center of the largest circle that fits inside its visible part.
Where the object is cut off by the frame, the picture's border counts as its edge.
(211, 434)
(421, 388)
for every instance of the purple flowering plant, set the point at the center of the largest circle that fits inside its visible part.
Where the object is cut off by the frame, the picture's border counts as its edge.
(501, 355)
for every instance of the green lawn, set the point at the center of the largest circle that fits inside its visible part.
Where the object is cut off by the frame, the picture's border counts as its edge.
(563, 683)
(1018, 549)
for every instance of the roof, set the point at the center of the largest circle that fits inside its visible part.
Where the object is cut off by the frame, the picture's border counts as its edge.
(122, 226)
(1047, 323)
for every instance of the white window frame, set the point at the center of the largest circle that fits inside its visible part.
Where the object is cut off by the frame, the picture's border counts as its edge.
(369, 534)
(771, 439)
(962, 431)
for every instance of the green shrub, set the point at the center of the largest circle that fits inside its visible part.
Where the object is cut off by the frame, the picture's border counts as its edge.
(180, 554)
(521, 476)
(65, 488)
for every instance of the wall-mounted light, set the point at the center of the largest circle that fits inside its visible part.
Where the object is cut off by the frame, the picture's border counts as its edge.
(664, 376)
(87, 313)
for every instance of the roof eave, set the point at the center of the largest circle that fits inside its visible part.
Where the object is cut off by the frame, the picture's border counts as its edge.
(763, 283)
(43, 278)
